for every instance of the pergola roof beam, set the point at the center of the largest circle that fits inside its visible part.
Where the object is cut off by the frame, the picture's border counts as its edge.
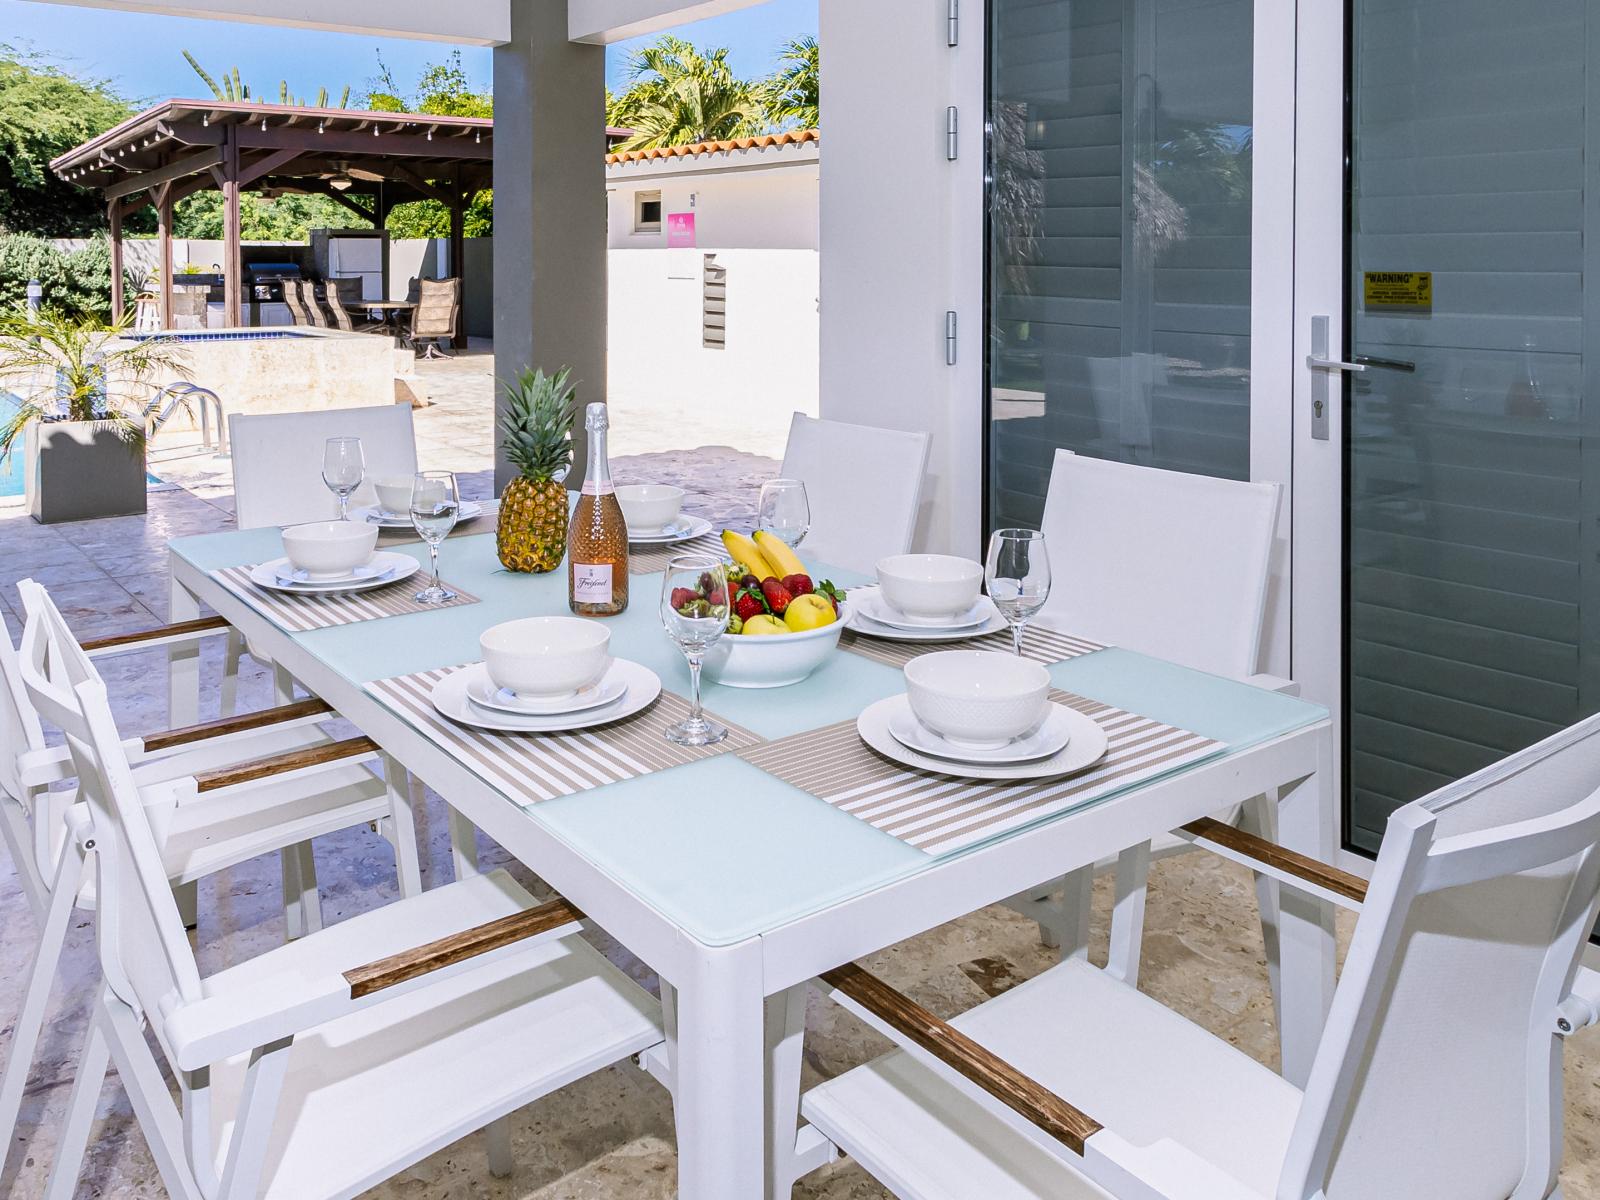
(265, 166)
(177, 169)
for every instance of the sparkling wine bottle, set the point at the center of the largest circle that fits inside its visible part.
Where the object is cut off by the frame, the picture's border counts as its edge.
(597, 544)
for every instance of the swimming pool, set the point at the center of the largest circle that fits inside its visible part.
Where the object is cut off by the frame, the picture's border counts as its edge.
(223, 335)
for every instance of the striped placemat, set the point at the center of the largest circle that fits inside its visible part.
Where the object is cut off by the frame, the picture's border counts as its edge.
(647, 560)
(530, 767)
(1042, 645)
(941, 814)
(301, 613)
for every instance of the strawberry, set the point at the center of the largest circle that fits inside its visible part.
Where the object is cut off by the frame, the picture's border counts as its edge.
(682, 596)
(833, 593)
(778, 596)
(748, 604)
(800, 585)
(718, 596)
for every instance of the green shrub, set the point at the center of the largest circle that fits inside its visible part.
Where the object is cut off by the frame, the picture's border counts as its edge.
(77, 283)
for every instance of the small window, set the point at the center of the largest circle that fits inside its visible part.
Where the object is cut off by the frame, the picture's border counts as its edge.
(647, 212)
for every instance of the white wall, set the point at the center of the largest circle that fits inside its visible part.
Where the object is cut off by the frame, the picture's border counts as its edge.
(739, 396)
(772, 209)
(901, 244)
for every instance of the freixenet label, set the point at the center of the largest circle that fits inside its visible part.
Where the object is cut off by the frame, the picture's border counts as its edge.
(591, 583)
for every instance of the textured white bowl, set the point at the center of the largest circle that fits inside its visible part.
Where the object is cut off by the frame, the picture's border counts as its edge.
(329, 549)
(546, 657)
(394, 494)
(929, 585)
(979, 699)
(775, 659)
(648, 507)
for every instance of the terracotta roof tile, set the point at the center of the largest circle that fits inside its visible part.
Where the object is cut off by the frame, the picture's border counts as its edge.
(765, 141)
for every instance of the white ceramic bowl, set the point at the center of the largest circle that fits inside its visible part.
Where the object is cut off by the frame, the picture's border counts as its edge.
(649, 507)
(329, 549)
(546, 657)
(979, 699)
(773, 660)
(394, 494)
(929, 585)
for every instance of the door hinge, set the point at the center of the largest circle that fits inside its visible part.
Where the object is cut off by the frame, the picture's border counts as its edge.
(953, 23)
(952, 133)
(950, 338)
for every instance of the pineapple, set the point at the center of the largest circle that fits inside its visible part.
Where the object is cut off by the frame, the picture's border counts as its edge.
(537, 429)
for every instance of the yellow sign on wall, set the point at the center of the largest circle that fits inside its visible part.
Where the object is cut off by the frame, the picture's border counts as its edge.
(1405, 291)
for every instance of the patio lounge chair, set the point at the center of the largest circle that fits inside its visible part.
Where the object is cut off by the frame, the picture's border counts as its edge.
(434, 319)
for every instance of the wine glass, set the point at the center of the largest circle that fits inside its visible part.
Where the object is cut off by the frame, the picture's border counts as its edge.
(694, 612)
(434, 505)
(342, 468)
(1018, 574)
(785, 511)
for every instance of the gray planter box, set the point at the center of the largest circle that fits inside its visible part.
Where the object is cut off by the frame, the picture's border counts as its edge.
(81, 469)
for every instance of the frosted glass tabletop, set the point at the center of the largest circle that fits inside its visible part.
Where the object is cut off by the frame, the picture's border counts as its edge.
(720, 847)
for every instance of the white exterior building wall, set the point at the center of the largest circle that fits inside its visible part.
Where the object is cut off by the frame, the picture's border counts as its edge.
(772, 208)
(767, 370)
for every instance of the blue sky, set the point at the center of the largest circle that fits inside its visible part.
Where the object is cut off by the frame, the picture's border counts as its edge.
(142, 54)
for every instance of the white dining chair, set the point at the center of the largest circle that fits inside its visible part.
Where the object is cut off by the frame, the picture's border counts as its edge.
(226, 823)
(277, 479)
(1438, 1076)
(1175, 566)
(864, 486)
(318, 1069)
(277, 460)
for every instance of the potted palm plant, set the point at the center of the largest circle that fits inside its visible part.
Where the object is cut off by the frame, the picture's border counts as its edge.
(73, 389)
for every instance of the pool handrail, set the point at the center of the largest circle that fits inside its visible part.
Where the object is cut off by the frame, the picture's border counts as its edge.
(177, 395)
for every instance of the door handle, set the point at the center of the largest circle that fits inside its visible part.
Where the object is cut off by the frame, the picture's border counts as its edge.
(1333, 364)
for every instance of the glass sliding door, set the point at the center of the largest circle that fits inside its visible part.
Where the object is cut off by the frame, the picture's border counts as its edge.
(1120, 172)
(1473, 460)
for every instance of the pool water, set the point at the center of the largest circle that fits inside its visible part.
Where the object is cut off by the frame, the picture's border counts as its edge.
(11, 479)
(221, 335)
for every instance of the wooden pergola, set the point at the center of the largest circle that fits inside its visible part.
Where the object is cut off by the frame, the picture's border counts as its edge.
(181, 147)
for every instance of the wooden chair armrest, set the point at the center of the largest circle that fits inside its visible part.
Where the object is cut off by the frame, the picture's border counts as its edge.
(117, 643)
(243, 723)
(458, 947)
(283, 764)
(1030, 1100)
(1273, 859)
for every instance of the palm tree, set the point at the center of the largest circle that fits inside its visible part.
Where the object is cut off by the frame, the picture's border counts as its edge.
(681, 95)
(77, 370)
(793, 93)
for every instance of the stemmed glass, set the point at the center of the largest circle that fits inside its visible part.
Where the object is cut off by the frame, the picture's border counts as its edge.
(694, 612)
(434, 505)
(785, 511)
(1018, 574)
(342, 468)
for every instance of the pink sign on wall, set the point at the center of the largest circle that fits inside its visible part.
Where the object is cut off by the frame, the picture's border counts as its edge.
(680, 230)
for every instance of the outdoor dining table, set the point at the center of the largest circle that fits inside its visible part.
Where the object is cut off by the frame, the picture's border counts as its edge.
(736, 887)
(389, 311)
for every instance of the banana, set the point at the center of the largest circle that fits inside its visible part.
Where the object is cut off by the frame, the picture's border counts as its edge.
(779, 554)
(744, 551)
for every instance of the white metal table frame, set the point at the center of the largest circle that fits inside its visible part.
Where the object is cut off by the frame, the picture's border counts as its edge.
(736, 1012)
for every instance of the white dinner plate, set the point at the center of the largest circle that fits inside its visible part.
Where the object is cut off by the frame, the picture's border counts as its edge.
(878, 610)
(382, 569)
(684, 529)
(450, 696)
(1087, 746)
(1050, 738)
(470, 510)
(482, 692)
(862, 620)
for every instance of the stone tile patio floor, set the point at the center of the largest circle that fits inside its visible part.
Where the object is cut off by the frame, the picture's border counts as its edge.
(611, 1135)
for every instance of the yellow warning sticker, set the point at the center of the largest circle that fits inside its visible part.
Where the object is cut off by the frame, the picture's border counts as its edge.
(1410, 291)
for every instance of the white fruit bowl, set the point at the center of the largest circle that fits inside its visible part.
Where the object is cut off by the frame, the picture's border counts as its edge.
(774, 659)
